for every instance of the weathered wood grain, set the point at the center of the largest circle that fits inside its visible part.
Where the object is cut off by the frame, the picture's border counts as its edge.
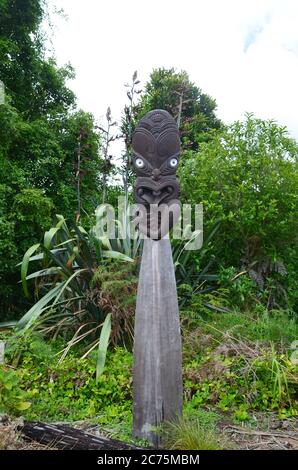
(65, 437)
(157, 379)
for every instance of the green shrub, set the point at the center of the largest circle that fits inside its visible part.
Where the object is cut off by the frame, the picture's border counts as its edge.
(13, 399)
(246, 177)
(237, 374)
(68, 390)
(67, 260)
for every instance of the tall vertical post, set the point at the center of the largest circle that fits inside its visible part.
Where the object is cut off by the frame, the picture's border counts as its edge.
(157, 373)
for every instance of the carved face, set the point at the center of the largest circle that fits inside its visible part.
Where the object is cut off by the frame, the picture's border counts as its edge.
(156, 148)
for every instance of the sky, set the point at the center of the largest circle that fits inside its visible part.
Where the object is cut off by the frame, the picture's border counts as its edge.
(243, 53)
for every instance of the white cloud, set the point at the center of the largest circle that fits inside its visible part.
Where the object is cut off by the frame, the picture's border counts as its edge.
(243, 53)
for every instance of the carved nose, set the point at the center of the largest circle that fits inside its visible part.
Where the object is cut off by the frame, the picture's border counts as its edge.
(155, 174)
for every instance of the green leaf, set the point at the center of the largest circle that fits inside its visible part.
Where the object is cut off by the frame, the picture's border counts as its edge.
(24, 266)
(8, 324)
(26, 321)
(103, 346)
(65, 284)
(40, 256)
(44, 272)
(49, 235)
(58, 260)
(23, 405)
(117, 255)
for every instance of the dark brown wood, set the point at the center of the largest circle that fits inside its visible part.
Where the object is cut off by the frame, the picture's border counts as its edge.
(65, 437)
(156, 149)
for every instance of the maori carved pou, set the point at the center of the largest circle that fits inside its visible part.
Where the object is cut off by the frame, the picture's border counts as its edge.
(156, 149)
(157, 375)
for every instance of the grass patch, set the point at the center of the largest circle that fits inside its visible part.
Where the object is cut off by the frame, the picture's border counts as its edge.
(276, 326)
(192, 434)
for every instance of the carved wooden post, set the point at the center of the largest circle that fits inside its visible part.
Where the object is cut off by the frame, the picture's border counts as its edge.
(157, 376)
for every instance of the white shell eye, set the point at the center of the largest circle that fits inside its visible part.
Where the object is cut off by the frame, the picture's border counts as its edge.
(173, 162)
(139, 163)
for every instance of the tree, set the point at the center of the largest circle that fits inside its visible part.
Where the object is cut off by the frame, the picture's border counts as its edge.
(77, 182)
(193, 110)
(247, 176)
(35, 85)
(49, 154)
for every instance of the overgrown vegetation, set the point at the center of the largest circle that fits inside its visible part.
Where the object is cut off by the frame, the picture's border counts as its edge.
(68, 292)
(235, 366)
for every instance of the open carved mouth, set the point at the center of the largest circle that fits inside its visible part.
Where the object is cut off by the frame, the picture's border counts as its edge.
(151, 192)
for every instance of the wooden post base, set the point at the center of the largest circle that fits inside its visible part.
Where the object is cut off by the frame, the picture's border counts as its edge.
(157, 379)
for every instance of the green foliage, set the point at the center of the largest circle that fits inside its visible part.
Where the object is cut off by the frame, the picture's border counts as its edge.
(13, 399)
(33, 213)
(79, 162)
(114, 288)
(246, 176)
(252, 170)
(123, 240)
(67, 305)
(40, 138)
(36, 85)
(68, 260)
(231, 362)
(236, 289)
(38, 162)
(174, 92)
(259, 325)
(19, 347)
(192, 267)
(229, 366)
(68, 390)
(103, 346)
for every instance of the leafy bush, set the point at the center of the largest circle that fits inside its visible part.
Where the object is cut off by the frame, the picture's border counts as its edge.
(238, 375)
(68, 260)
(69, 390)
(247, 177)
(192, 268)
(13, 399)
(114, 289)
(39, 138)
(237, 290)
(165, 89)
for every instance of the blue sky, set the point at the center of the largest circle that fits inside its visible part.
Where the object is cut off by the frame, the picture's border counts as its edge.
(252, 34)
(243, 53)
